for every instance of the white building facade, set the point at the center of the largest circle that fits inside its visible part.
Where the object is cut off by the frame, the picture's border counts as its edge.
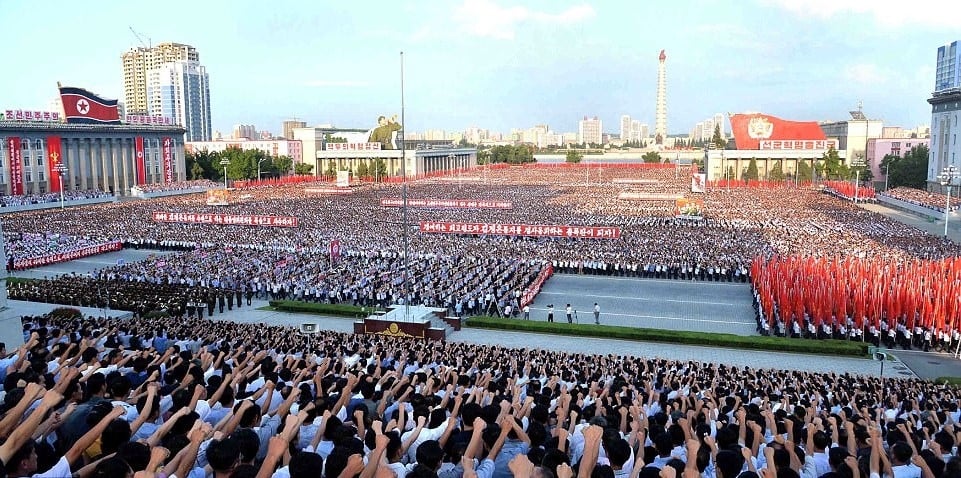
(181, 90)
(589, 131)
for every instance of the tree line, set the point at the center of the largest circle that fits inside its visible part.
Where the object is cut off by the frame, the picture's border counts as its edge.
(241, 164)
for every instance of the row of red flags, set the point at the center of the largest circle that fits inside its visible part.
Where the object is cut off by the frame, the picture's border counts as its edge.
(849, 191)
(919, 293)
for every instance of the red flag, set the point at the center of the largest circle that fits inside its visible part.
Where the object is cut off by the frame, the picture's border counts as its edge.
(83, 107)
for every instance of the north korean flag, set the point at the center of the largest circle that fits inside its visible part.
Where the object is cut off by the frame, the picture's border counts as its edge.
(83, 107)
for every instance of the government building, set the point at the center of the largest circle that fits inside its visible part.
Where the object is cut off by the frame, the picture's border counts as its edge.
(109, 157)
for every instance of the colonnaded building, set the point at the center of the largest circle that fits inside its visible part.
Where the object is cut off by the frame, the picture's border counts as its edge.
(38, 152)
(344, 149)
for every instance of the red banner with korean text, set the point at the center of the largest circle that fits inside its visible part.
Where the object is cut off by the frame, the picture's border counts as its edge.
(167, 157)
(225, 219)
(141, 161)
(533, 290)
(54, 159)
(448, 203)
(16, 166)
(523, 230)
(67, 256)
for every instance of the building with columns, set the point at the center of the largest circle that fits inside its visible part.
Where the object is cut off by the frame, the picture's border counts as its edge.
(419, 162)
(101, 157)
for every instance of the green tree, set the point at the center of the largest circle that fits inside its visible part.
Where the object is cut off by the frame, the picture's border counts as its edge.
(730, 173)
(243, 163)
(333, 139)
(910, 171)
(208, 162)
(196, 171)
(752, 172)
(777, 171)
(573, 156)
(303, 169)
(361, 170)
(651, 157)
(804, 171)
(483, 156)
(331, 169)
(831, 167)
(281, 165)
(378, 170)
(717, 140)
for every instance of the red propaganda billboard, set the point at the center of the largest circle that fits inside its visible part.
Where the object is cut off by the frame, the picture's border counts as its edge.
(750, 129)
(335, 191)
(141, 162)
(67, 256)
(225, 219)
(55, 156)
(16, 166)
(448, 203)
(167, 157)
(523, 230)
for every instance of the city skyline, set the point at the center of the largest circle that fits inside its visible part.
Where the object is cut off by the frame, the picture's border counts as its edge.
(486, 64)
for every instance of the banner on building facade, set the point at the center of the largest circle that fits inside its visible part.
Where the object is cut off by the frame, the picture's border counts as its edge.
(54, 161)
(522, 230)
(448, 203)
(16, 166)
(67, 256)
(167, 157)
(141, 161)
(225, 219)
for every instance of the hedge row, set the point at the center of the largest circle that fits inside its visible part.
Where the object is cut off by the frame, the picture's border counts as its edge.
(339, 310)
(779, 344)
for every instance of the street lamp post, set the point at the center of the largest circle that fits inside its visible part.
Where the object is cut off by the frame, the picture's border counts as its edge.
(947, 178)
(258, 170)
(858, 164)
(61, 169)
(224, 162)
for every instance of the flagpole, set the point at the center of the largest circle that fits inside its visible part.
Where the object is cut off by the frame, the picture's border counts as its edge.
(403, 167)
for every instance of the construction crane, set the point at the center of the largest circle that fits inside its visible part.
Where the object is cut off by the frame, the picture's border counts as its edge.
(145, 44)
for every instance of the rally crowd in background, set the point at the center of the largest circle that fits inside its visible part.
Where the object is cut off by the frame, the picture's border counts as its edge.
(918, 197)
(177, 186)
(739, 225)
(68, 195)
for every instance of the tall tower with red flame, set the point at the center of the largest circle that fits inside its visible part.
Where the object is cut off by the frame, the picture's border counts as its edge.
(660, 111)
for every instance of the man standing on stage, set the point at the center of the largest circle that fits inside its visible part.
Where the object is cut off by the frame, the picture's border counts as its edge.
(550, 312)
(597, 313)
(570, 314)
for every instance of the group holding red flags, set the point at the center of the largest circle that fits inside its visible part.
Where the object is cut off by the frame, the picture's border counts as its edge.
(874, 296)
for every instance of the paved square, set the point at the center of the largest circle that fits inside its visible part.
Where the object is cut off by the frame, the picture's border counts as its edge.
(650, 303)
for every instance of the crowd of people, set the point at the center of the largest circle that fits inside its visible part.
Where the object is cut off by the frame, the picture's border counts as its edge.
(32, 245)
(188, 397)
(738, 225)
(919, 197)
(68, 195)
(202, 184)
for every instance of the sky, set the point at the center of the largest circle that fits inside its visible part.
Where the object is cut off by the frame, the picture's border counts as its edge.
(497, 64)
